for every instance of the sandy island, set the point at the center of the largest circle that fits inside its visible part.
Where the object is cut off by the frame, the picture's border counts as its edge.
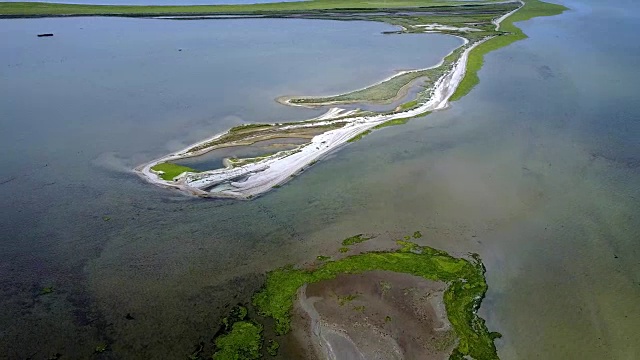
(259, 175)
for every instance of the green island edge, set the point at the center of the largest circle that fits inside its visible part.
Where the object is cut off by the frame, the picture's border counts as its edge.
(46, 9)
(530, 10)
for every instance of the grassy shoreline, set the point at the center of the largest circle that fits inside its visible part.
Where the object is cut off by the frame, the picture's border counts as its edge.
(384, 92)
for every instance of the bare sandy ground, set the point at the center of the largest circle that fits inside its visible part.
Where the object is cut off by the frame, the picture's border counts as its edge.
(377, 315)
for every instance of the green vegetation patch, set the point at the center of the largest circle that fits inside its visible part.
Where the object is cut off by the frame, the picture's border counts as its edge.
(465, 279)
(393, 122)
(272, 347)
(100, 348)
(359, 136)
(238, 313)
(243, 342)
(408, 105)
(169, 171)
(356, 239)
(235, 162)
(382, 92)
(240, 128)
(531, 9)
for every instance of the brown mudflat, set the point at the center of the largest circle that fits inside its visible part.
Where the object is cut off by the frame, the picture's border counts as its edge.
(375, 315)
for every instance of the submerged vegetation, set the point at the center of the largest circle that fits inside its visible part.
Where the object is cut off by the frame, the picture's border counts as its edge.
(475, 22)
(244, 341)
(169, 171)
(238, 313)
(359, 136)
(238, 337)
(253, 133)
(465, 279)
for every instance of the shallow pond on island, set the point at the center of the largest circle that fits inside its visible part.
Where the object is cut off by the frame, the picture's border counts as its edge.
(214, 159)
(160, 2)
(536, 170)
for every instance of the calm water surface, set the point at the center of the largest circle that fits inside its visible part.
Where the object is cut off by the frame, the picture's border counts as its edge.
(80, 109)
(537, 170)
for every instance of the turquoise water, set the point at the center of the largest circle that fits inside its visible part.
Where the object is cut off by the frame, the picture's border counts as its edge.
(536, 170)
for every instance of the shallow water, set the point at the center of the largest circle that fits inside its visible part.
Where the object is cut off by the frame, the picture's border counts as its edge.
(79, 110)
(536, 170)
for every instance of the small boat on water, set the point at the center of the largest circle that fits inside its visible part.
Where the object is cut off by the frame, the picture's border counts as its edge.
(45, 35)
